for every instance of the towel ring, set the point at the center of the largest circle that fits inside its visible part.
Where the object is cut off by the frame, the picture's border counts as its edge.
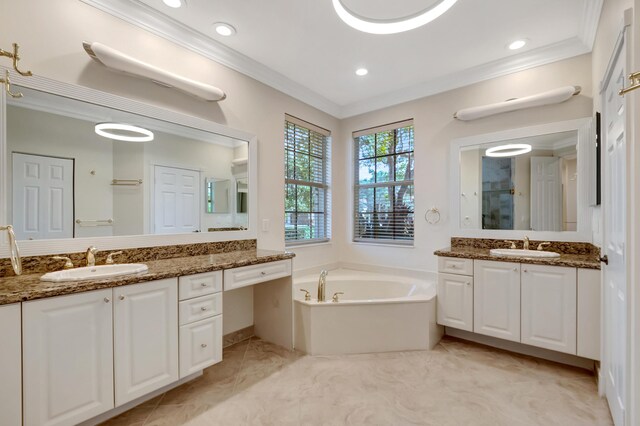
(432, 216)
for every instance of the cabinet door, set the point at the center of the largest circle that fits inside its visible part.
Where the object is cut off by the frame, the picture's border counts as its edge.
(455, 301)
(549, 307)
(496, 299)
(67, 358)
(145, 338)
(10, 366)
(200, 345)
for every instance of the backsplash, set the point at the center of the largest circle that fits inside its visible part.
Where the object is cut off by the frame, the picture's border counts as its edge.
(45, 263)
(562, 247)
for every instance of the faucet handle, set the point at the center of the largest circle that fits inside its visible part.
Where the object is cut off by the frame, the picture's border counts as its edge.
(513, 243)
(542, 245)
(67, 262)
(109, 260)
(307, 296)
(334, 299)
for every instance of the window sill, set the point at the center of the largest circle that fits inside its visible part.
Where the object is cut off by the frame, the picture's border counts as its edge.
(376, 244)
(298, 245)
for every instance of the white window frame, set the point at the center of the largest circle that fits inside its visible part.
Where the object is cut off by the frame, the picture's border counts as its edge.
(325, 185)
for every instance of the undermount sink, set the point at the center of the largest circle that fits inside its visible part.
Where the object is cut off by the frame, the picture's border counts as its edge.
(94, 272)
(523, 253)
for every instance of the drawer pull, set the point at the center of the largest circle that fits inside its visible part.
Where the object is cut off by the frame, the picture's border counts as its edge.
(204, 284)
(204, 345)
(515, 269)
(107, 300)
(453, 266)
(468, 283)
(204, 308)
(263, 273)
(122, 297)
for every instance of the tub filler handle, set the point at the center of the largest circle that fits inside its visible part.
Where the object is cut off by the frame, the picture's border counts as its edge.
(307, 295)
(335, 299)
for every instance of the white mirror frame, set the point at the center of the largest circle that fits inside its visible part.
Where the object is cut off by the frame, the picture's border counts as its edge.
(71, 245)
(586, 181)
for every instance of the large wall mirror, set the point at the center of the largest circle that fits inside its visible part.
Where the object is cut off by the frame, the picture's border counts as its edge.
(533, 181)
(80, 164)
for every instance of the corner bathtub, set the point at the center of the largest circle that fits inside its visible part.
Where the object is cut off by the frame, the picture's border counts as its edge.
(376, 313)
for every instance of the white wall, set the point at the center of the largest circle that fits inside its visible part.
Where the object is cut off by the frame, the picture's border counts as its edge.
(435, 128)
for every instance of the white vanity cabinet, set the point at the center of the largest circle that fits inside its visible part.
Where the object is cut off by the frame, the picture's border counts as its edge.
(67, 358)
(10, 365)
(81, 350)
(145, 325)
(200, 321)
(549, 298)
(455, 293)
(496, 299)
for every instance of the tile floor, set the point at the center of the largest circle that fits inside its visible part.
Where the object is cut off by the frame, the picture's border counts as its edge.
(458, 383)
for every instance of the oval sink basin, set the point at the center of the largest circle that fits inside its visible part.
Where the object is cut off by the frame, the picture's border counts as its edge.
(94, 272)
(523, 253)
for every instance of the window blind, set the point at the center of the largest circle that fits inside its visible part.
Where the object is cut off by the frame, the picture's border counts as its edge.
(384, 191)
(307, 182)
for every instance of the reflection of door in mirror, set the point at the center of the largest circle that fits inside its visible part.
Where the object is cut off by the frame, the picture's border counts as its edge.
(177, 200)
(546, 194)
(242, 191)
(497, 193)
(42, 190)
(217, 195)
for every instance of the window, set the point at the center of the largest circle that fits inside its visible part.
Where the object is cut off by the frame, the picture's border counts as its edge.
(383, 199)
(306, 193)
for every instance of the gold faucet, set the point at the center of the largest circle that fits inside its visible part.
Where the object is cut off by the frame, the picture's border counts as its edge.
(321, 285)
(91, 256)
(525, 243)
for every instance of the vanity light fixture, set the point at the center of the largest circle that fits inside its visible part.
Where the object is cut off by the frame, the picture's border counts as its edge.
(361, 72)
(113, 131)
(509, 150)
(391, 26)
(517, 44)
(173, 3)
(224, 29)
(555, 96)
(118, 61)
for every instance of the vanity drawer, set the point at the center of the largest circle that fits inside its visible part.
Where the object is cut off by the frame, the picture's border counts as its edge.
(200, 308)
(191, 286)
(249, 275)
(200, 345)
(455, 265)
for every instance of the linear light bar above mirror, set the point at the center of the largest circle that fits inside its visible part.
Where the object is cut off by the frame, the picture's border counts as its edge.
(52, 130)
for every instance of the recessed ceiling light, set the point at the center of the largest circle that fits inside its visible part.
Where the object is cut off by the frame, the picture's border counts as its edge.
(124, 132)
(391, 26)
(509, 150)
(224, 29)
(517, 44)
(362, 72)
(173, 3)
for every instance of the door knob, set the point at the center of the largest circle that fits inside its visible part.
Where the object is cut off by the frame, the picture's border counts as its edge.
(204, 345)
(107, 300)
(605, 259)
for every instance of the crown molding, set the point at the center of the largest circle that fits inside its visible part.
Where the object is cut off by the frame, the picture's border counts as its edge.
(534, 58)
(589, 22)
(149, 19)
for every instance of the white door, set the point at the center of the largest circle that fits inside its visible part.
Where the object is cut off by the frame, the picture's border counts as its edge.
(546, 194)
(11, 365)
(614, 212)
(145, 338)
(455, 301)
(177, 200)
(496, 299)
(42, 197)
(67, 358)
(549, 317)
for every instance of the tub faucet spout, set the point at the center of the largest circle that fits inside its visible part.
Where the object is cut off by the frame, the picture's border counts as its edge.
(321, 285)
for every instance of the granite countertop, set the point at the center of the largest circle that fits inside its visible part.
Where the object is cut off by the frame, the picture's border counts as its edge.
(29, 287)
(587, 261)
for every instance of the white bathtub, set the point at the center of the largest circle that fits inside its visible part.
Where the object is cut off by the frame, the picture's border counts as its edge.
(376, 313)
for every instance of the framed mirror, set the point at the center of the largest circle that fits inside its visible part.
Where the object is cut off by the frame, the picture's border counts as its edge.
(534, 181)
(81, 167)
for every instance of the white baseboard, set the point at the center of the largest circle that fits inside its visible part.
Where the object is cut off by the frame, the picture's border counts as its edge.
(520, 348)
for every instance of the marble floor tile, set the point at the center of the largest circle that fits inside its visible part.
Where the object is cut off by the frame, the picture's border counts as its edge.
(457, 383)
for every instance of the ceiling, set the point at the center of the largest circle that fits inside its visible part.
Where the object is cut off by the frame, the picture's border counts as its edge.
(302, 48)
